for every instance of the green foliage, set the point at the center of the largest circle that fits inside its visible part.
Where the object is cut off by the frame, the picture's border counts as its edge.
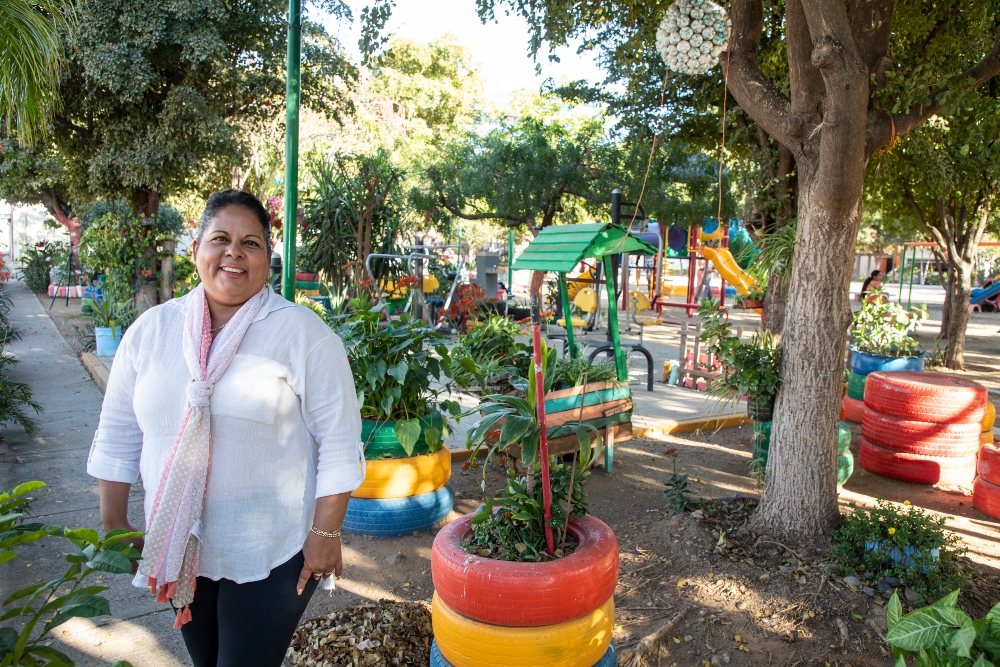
(106, 312)
(30, 64)
(394, 368)
(776, 250)
(186, 276)
(677, 488)
(351, 211)
(570, 372)
(15, 397)
(906, 543)
(941, 635)
(882, 327)
(489, 352)
(748, 369)
(511, 526)
(38, 262)
(45, 606)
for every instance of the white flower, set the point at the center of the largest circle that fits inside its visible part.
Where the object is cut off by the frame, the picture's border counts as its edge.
(683, 46)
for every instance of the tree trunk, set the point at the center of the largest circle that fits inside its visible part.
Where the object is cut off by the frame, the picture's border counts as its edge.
(775, 304)
(957, 304)
(799, 504)
(146, 204)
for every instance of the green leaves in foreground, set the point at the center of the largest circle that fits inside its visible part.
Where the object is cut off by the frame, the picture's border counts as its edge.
(942, 635)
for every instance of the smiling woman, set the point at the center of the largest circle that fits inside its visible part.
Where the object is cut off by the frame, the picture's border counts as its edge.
(233, 375)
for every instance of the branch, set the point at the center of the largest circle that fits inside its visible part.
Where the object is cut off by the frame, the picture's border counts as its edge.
(880, 126)
(931, 230)
(758, 96)
(871, 25)
(481, 216)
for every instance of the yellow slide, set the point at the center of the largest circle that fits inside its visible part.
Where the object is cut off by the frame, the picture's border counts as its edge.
(727, 267)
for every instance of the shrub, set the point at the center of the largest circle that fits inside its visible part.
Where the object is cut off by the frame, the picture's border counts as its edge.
(882, 327)
(749, 369)
(942, 635)
(902, 542)
(40, 259)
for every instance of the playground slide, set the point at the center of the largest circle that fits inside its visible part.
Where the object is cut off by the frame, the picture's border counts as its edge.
(727, 267)
(988, 294)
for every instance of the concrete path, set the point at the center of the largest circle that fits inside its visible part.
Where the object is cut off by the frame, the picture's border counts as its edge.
(56, 454)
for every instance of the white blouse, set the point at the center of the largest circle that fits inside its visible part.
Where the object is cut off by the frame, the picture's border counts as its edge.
(286, 429)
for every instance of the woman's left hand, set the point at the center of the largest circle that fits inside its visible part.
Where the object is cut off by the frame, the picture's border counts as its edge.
(322, 559)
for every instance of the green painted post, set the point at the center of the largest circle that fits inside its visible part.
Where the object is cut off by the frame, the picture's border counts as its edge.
(913, 263)
(510, 264)
(609, 279)
(902, 275)
(567, 315)
(291, 147)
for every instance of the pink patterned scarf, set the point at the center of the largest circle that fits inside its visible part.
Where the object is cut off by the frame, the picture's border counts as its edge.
(175, 531)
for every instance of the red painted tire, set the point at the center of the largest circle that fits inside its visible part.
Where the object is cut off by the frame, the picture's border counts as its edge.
(526, 594)
(924, 438)
(989, 463)
(917, 468)
(926, 397)
(851, 410)
(986, 498)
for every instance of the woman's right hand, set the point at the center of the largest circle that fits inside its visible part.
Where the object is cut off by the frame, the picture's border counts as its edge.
(114, 512)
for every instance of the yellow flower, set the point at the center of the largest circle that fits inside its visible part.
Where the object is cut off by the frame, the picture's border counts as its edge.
(892, 531)
(906, 502)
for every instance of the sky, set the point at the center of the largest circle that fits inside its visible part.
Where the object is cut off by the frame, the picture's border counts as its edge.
(500, 48)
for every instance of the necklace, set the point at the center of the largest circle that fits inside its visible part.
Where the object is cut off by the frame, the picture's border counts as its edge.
(218, 329)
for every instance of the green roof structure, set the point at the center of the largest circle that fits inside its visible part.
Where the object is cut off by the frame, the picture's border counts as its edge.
(561, 248)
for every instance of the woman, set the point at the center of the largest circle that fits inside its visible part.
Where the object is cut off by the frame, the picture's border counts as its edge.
(234, 375)
(872, 282)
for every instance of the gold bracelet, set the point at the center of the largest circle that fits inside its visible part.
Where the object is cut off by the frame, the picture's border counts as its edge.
(323, 533)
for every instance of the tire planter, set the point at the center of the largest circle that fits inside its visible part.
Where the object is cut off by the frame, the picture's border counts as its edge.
(916, 468)
(989, 418)
(610, 658)
(395, 517)
(986, 497)
(402, 478)
(581, 642)
(381, 442)
(758, 410)
(916, 437)
(851, 410)
(856, 386)
(526, 594)
(988, 466)
(863, 363)
(926, 397)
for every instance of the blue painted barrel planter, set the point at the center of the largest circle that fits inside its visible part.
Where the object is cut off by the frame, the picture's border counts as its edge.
(863, 363)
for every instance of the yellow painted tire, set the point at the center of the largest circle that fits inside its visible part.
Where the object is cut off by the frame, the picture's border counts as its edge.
(989, 417)
(986, 438)
(581, 642)
(402, 478)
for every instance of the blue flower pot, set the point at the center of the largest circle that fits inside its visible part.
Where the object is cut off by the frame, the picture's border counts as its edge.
(902, 556)
(107, 340)
(863, 363)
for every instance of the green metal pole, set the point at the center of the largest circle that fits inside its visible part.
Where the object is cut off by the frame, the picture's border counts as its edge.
(913, 263)
(609, 279)
(291, 147)
(567, 316)
(510, 264)
(902, 275)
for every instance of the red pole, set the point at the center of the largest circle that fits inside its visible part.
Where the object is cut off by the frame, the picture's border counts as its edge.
(543, 440)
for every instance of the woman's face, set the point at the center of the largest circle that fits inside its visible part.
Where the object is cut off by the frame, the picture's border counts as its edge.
(876, 282)
(232, 257)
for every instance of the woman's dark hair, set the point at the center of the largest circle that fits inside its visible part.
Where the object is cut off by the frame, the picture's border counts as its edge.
(868, 281)
(223, 199)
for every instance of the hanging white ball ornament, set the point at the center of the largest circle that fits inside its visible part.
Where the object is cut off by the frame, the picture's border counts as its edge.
(692, 35)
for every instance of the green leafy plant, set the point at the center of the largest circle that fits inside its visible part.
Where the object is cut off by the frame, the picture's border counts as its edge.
(489, 354)
(941, 635)
(106, 312)
(45, 606)
(15, 398)
(7, 332)
(394, 370)
(677, 493)
(572, 372)
(750, 369)
(38, 262)
(771, 256)
(186, 276)
(882, 327)
(902, 542)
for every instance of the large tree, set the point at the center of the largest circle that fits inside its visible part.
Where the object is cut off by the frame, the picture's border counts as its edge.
(859, 75)
(941, 182)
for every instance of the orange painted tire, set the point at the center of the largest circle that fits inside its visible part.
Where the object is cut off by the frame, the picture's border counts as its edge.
(989, 418)
(926, 397)
(986, 498)
(916, 468)
(988, 466)
(924, 438)
(526, 594)
(851, 410)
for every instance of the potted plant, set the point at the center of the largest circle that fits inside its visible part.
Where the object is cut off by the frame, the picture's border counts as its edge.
(749, 369)
(403, 420)
(754, 298)
(109, 319)
(506, 595)
(880, 339)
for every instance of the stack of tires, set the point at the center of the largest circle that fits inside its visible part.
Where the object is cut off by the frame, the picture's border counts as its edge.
(862, 364)
(845, 460)
(493, 613)
(986, 489)
(401, 494)
(922, 427)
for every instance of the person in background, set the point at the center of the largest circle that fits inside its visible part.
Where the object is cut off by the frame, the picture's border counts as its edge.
(872, 282)
(239, 411)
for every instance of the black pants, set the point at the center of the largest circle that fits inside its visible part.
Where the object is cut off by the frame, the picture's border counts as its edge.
(246, 625)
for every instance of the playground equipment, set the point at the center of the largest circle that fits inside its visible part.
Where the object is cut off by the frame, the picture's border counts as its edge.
(986, 298)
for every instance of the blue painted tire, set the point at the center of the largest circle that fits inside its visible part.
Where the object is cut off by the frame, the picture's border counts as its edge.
(395, 517)
(610, 659)
(863, 363)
